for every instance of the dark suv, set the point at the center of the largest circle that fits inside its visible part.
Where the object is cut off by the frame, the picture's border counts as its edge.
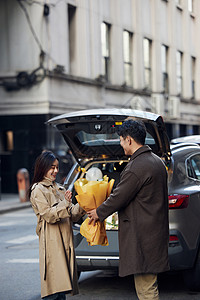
(92, 138)
(184, 213)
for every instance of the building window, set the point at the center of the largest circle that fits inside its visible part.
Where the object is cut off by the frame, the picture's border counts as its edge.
(179, 72)
(147, 62)
(6, 141)
(105, 46)
(191, 6)
(71, 24)
(196, 129)
(127, 48)
(193, 67)
(164, 55)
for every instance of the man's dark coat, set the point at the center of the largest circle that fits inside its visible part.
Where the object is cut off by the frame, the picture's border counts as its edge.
(141, 199)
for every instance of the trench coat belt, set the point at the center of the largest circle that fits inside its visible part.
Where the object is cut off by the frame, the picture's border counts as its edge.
(44, 244)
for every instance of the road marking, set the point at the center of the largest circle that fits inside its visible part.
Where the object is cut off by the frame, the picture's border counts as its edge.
(20, 214)
(23, 261)
(24, 239)
(7, 224)
(17, 223)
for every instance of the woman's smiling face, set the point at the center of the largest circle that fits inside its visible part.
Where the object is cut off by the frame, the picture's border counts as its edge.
(51, 174)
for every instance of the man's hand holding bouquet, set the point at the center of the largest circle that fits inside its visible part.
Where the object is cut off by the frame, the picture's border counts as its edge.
(91, 194)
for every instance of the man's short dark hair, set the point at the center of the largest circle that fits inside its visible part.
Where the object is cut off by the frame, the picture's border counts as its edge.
(134, 129)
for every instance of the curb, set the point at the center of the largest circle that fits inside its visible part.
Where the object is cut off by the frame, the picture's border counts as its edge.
(15, 207)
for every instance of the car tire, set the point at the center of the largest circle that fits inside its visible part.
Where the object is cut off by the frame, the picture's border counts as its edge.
(192, 277)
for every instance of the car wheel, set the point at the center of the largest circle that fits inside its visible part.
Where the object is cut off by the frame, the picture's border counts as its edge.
(192, 277)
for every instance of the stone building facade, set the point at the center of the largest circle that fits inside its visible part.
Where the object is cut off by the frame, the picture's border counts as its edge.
(64, 55)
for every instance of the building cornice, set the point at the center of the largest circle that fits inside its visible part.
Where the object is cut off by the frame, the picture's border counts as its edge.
(99, 81)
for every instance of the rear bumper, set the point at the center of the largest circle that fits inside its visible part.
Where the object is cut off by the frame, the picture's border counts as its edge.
(107, 257)
(180, 256)
(86, 263)
(96, 257)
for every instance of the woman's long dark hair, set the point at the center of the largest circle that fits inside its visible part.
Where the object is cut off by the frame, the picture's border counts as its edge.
(43, 164)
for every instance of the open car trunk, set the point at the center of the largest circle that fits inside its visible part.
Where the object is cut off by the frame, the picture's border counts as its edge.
(92, 137)
(92, 134)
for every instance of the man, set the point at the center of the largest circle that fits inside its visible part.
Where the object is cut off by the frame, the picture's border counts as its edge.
(141, 199)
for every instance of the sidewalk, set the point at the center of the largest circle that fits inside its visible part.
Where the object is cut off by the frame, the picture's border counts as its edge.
(11, 202)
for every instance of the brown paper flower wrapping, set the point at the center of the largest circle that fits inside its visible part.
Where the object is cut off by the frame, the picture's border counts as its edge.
(91, 194)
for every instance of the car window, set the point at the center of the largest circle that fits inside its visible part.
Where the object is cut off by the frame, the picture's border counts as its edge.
(97, 139)
(193, 167)
(105, 139)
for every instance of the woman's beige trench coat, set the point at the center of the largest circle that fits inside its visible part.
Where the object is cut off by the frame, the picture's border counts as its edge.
(56, 250)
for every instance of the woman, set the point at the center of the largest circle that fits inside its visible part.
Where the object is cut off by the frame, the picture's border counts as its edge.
(55, 212)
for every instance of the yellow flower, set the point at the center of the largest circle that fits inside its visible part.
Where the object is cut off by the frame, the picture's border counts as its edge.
(91, 194)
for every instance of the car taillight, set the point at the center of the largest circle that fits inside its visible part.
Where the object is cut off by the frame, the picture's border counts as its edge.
(173, 238)
(173, 241)
(178, 201)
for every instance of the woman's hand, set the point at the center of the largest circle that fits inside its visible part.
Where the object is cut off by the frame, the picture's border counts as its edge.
(68, 196)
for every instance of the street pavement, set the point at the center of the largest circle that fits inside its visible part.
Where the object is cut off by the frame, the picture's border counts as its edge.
(11, 202)
(93, 285)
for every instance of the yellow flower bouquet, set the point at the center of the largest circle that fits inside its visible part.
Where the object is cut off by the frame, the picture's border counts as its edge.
(92, 194)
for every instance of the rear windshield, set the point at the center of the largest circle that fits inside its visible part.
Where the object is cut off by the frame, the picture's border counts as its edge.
(105, 139)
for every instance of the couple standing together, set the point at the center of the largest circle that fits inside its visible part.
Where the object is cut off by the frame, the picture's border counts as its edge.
(141, 199)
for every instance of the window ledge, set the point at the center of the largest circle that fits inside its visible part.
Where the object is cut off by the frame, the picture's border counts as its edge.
(192, 15)
(179, 7)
